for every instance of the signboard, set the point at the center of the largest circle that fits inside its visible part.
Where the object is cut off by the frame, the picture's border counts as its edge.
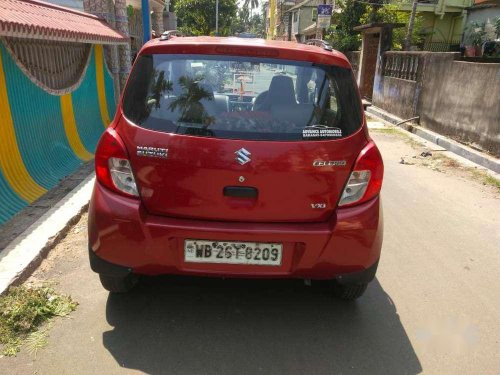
(324, 15)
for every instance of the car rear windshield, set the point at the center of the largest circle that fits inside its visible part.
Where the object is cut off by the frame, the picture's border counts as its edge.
(242, 98)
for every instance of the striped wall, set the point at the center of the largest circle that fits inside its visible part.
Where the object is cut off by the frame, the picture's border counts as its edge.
(45, 137)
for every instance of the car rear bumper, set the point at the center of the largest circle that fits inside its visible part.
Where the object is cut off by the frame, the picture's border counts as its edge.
(124, 238)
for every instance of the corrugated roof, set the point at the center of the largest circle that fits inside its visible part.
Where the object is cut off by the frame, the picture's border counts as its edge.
(40, 20)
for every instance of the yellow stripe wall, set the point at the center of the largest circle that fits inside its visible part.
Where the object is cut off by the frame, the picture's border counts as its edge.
(46, 137)
(99, 56)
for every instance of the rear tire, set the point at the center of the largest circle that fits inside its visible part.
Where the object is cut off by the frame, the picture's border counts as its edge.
(118, 284)
(348, 292)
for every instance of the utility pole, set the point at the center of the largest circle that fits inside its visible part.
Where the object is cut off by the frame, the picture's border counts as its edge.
(146, 24)
(411, 24)
(216, 17)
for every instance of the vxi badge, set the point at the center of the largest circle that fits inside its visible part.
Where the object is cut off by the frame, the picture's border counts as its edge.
(329, 163)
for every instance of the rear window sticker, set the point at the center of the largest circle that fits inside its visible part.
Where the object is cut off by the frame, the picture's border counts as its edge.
(321, 132)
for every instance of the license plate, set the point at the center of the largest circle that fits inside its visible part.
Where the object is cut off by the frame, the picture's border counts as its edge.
(202, 251)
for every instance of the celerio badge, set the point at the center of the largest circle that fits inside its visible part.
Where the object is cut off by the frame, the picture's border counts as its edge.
(243, 156)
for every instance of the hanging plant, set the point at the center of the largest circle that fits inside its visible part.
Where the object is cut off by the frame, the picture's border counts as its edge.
(130, 11)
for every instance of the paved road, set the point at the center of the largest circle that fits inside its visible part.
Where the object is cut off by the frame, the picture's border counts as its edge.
(434, 307)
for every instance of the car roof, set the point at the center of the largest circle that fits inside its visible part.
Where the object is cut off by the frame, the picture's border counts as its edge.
(246, 47)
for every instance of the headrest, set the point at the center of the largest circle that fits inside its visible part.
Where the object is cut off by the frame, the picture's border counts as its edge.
(281, 90)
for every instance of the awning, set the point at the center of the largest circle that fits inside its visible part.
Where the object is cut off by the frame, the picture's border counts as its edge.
(309, 29)
(39, 20)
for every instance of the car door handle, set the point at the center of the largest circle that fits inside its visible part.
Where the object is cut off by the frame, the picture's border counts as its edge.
(241, 191)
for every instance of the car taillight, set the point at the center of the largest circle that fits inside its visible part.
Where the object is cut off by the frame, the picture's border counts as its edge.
(365, 180)
(112, 166)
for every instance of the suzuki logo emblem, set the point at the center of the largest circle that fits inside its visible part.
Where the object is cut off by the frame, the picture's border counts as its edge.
(243, 156)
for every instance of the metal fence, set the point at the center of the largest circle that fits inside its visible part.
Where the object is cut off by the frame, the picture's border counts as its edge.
(453, 46)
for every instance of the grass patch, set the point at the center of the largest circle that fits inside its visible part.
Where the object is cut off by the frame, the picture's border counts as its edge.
(451, 163)
(400, 133)
(394, 131)
(23, 311)
(485, 178)
(479, 175)
(439, 162)
(446, 161)
(413, 143)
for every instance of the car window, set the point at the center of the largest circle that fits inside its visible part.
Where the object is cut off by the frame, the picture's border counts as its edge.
(242, 98)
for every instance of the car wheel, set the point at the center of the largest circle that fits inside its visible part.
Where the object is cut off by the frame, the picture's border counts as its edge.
(348, 292)
(118, 284)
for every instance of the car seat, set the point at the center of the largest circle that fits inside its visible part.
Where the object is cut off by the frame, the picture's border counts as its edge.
(281, 92)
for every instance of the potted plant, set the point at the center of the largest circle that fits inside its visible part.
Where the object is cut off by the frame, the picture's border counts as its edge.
(475, 39)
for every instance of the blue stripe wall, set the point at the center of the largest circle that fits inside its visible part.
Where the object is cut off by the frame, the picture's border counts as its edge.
(38, 126)
(45, 142)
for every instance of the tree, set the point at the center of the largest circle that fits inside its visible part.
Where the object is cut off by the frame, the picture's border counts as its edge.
(242, 21)
(258, 25)
(253, 3)
(245, 22)
(341, 34)
(197, 17)
(390, 13)
(189, 102)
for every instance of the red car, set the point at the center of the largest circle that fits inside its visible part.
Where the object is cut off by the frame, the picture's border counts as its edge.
(233, 157)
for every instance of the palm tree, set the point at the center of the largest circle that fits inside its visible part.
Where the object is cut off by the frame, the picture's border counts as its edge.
(253, 3)
(189, 102)
(160, 86)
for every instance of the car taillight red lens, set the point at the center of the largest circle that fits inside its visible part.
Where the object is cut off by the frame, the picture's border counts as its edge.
(365, 180)
(112, 166)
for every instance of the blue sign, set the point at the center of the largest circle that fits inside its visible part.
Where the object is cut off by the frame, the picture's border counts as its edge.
(325, 10)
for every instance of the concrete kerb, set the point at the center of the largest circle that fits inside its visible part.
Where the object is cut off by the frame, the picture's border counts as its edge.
(25, 253)
(477, 157)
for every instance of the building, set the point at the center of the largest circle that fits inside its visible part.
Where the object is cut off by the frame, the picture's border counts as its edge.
(303, 18)
(443, 22)
(277, 19)
(270, 9)
(158, 15)
(161, 18)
